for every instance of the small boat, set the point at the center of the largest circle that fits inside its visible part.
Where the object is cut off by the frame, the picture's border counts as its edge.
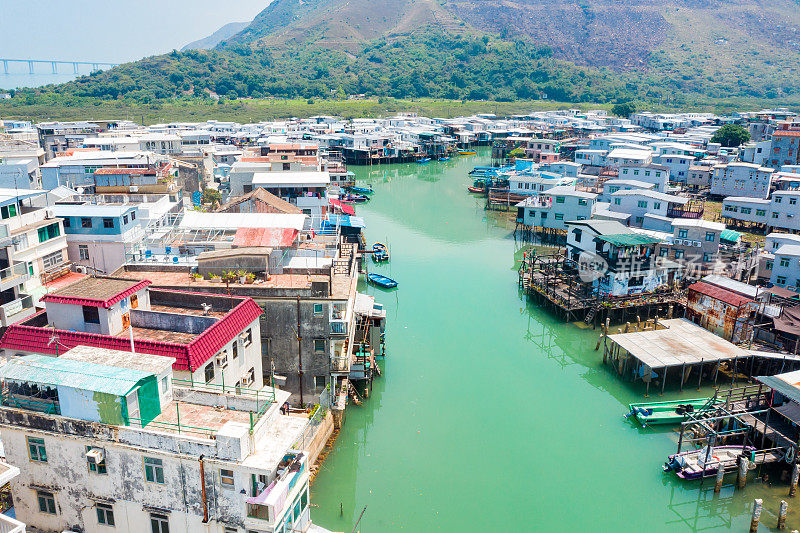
(467, 152)
(477, 190)
(695, 464)
(381, 281)
(380, 252)
(672, 412)
(446, 158)
(424, 160)
(360, 190)
(356, 198)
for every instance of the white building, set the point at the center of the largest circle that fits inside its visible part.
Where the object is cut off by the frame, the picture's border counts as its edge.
(741, 179)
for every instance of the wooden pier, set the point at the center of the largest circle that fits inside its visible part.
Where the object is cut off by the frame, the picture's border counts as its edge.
(681, 348)
(553, 280)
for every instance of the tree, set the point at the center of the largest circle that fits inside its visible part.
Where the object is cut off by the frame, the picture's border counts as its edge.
(623, 109)
(731, 135)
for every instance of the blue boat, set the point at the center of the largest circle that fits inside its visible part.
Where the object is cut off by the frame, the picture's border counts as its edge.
(355, 198)
(380, 252)
(446, 158)
(381, 281)
(360, 190)
(424, 160)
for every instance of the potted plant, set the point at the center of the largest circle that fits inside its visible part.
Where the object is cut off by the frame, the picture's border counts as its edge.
(194, 276)
(242, 275)
(227, 276)
(213, 278)
(250, 277)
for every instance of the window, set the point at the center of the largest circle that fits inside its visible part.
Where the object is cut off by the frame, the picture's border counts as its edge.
(134, 301)
(320, 382)
(784, 261)
(49, 232)
(578, 234)
(159, 523)
(133, 216)
(8, 211)
(768, 265)
(617, 201)
(105, 514)
(778, 199)
(247, 339)
(683, 233)
(706, 257)
(639, 220)
(761, 212)
(710, 236)
(164, 384)
(226, 478)
(97, 468)
(780, 280)
(67, 222)
(792, 201)
(317, 309)
(86, 222)
(47, 502)
(746, 210)
(581, 201)
(108, 222)
(678, 254)
(559, 199)
(91, 315)
(544, 215)
(36, 450)
(656, 205)
(581, 217)
(154, 470)
(234, 350)
(642, 203)
(559, 216)
(52, 260)
(319, 345)
(83, 252)
(663, 252)
(124, 219)
(209, 372)
(774, 214)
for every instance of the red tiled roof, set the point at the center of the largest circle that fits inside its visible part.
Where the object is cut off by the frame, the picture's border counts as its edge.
(187, 356)
(718, 293)
(272, 237)
(94, 302)
(786, 133)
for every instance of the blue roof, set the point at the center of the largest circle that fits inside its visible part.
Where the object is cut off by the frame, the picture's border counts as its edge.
(82, 375)
(345, 220)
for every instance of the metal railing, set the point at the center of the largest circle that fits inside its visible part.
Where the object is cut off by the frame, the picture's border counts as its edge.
(18, 270)
(48, 408)
(10, 525)
(310, 430)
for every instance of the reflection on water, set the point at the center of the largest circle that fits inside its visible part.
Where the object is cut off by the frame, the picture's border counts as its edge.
(493, 415)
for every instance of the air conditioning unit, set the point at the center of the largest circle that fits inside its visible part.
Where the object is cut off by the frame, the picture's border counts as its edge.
(95, 456)
(247, 381)
(49, 213)
(678, 241)
(698, 244)
(134, 188)
(81, 269)
(222, 359)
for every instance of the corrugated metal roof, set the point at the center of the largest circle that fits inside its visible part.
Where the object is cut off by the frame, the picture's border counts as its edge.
(81, 375)
(628, 239)
(265, 237)
(730, 235)
(718, 293)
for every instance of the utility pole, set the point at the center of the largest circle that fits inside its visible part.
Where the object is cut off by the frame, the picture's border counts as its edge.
(299, 352)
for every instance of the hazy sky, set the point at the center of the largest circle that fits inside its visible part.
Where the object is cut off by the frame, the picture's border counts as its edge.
(112, 30)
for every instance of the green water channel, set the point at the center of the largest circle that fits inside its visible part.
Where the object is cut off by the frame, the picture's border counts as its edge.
(493, 415)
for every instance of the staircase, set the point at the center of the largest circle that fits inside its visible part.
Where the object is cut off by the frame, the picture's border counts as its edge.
(591, 314)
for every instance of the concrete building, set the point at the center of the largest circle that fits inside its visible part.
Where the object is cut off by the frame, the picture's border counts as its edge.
(641, 202)
(719, 309)
(777, 214)
(112, 442)
(554, 207)
(786, 267)
(214, 340)
(695, 246)
(772, 242)
(77, 170)
(741, 179)
(658, 175)
(785, 147)
(678, 165)
(58, 137)
(699, 177)
(98, 235)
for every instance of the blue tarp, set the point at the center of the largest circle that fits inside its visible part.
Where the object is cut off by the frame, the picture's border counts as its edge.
(345, 220)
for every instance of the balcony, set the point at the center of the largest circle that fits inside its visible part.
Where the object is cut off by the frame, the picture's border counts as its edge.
(16, 310)
(13, 276)
(338, 327)
(271, 501)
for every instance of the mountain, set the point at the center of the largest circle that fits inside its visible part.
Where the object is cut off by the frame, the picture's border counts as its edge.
(676, 52)
(225, 32)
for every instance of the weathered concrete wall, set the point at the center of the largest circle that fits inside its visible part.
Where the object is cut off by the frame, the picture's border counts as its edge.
(172, 321)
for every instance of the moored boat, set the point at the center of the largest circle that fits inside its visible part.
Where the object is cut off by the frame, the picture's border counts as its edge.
(380, 252)
(360, 190)
(357, 198)
(381, 281)
(671, 412)
(478, 190)
(467, 152)
(424, 160)
(445, 158)
(695, 464)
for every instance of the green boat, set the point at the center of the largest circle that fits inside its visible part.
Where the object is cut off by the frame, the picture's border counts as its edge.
(672, 412)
